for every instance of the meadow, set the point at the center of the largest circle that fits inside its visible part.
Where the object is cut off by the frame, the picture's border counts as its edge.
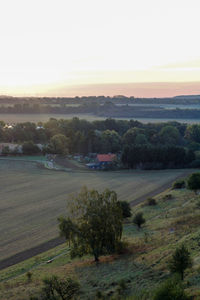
(32, 197)
(143, 267)
(35, 118)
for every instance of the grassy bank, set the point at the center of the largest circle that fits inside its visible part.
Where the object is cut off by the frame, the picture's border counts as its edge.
(142, 267)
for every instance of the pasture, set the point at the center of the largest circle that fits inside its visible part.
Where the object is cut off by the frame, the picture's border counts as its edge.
(31, 198)
(35, 118)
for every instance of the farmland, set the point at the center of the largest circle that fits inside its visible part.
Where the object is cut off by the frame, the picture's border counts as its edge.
(32, 198)
(35, 118)
(142, 269)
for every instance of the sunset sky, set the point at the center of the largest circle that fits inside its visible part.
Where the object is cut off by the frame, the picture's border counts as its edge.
(76, 47)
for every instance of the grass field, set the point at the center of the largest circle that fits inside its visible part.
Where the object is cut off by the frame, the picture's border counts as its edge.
(142, 268)
(20, 118)
(31, 198)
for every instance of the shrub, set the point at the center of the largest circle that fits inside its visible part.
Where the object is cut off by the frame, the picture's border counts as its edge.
(167, 197)
(29, 276)
(30, 148)
(193, 182)
(198, 204)
(121, 287)
(195, 163)
(139, 219)
(170, 289)
(55, 288)
(5, 150)
(180, 261)
(126, 209)
(151, 201)
(178, 184)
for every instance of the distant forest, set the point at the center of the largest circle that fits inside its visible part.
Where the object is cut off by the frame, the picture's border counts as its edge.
(117, 106)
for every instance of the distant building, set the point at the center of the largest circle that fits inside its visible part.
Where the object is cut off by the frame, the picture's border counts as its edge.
(103, 161)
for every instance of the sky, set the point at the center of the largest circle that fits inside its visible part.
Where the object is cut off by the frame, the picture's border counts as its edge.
(76, 47)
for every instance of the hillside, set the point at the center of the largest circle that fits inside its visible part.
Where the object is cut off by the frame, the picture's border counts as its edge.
(173, 221)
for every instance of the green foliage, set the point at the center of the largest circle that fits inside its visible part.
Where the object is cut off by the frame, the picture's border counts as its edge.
(5, 150)
(180, 261)
(198, 204)
(111, 141)
(193, 182)
(151, 201)
(66, 228)
(59, 289)
(121, 287)
(95, 224)
(172, 289)
(178, 184)
(169, 135)
(139, 219)
(59, 144)
(126, 209)
(167, 197)
(29, 276)
(193, 133)
(30, 148)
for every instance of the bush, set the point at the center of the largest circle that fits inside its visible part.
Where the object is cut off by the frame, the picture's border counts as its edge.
(195, 163)
(139, 219)
(126, 209)
(167, 197)
(198, 204)
(5, 150)
(151, 201)
(180, 261)
(29, 276)
(172, 289)
(179, 184)
(193, 182)
(30, 148)
(55, 288)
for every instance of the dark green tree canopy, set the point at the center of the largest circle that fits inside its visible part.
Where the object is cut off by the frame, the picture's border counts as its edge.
(139, 219)
(126, 208)
(95, 223)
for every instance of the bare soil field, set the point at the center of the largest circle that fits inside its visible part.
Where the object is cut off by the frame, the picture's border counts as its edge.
(31, 198)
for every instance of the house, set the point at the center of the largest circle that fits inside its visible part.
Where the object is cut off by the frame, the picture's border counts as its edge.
(106, 159)
(103, 161)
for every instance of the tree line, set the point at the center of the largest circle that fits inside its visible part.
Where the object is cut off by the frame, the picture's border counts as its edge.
(157, 145)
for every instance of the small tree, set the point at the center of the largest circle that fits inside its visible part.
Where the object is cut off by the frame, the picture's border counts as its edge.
(126, 209)
(170, 289)
(151, 201)
(180, 261)
(5, 150)
(193, 182)
(178, 184)
(139, 219)
(66, 228)
(55, 288)
(95, 225)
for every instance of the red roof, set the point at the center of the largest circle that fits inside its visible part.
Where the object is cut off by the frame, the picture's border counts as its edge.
(105, 157)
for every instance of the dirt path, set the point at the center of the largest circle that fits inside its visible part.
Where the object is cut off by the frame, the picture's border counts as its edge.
(21, 256)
